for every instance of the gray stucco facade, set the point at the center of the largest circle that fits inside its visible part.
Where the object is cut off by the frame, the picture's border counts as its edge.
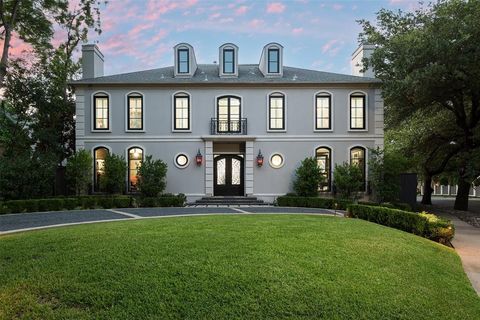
(298, 140)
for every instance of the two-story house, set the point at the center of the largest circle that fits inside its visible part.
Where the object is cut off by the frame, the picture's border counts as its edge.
(228, 128)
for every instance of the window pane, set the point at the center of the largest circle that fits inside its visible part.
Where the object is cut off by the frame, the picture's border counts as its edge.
(357, 111)
(276, 112)
(323, 112)
(135, 157)
(183, 61)
(228, 61)
(323, 162)
(273, 55)
(135, 112)
(182, 113)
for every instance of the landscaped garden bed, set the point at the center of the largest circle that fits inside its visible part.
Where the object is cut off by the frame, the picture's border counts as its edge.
(90, 202)
(231, 267)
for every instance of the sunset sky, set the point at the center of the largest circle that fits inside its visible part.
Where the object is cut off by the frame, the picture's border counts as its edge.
(321, 35)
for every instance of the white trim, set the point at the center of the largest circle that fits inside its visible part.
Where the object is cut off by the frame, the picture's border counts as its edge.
(279, 47)
(332, 162)
(175, 160)
(366, 160)
(315, 111)
(284, 111)
(139, 93)
(192, 65)
(366, 111)
(190, 122)
(92, 111)
(228, 46)
(128, 162)
(270, 160)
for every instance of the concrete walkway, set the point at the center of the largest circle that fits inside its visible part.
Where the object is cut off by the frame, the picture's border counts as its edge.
(10, 223)
(467, 245)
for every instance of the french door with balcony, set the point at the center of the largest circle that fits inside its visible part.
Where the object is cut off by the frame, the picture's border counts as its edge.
(229, 114)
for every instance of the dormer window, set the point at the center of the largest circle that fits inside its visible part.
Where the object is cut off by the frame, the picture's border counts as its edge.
(228, 61)
(183, 61)
(273, 61)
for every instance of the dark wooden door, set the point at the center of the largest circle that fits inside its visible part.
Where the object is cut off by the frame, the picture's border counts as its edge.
(228, 175)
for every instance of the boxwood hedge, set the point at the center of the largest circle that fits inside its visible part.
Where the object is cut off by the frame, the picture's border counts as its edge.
(312, 202)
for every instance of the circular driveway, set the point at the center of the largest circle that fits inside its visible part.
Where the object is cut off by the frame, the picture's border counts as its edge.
(10, 223)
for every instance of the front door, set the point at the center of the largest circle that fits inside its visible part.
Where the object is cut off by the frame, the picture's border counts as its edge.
(228, 175)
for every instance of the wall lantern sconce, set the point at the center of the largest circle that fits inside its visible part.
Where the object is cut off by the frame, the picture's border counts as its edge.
(199, 158)
(259, 159)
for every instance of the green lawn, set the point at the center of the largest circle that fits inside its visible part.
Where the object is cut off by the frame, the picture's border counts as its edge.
(235, 267)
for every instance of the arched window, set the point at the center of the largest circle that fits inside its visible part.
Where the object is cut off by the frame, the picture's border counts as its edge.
(101, 112)
(357, 111)
(323, 111)
(135, 158)
(276, 111)
(324, 158)
(357, 157)
(99, 156)
(181, 112)
(229, 114)
(135, 111)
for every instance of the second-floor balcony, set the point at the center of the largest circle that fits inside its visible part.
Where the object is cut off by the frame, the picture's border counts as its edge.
(224, 126)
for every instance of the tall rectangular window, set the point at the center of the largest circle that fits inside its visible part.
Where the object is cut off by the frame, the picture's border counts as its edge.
(228, 61)
(357, 112)
(323, 112)
(100, 113)
(135, 112)
(183, 63)
(277, 112)
(182, 112)
(273, 61)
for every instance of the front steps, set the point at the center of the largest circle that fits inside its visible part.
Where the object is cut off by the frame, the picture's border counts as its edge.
(228, 201)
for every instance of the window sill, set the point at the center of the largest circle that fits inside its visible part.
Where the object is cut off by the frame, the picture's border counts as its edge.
(181, 131)
(100, 131)
(322, 130)
(135, 131)
(279, 131)
(357, 130)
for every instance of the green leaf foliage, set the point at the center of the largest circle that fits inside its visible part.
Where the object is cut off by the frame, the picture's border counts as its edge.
(113, 181)
(307, 178)
(151, 177)
(348, 181)
(79, 172)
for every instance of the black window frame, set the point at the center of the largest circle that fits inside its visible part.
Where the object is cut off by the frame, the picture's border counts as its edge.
(364, 113)
(329, 172)
(276, 95)
(233, 60)
(175, 97)
(229, 120)
(364, 169)
(278, 60)
(179, 62)
(323, 95)
(134, 95)
(103, 96)
(128, 165)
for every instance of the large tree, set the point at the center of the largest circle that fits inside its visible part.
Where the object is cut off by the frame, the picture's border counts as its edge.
(33, 22)
(428, 59)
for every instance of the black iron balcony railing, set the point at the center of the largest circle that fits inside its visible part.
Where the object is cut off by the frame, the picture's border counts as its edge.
(220, 126)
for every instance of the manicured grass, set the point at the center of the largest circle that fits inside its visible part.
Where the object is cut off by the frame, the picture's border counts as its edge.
(235, 267)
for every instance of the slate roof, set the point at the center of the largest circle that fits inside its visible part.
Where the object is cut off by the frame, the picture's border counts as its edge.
(247, 74)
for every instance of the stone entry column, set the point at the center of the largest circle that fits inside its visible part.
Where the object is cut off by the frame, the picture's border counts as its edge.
(249, 168)
(208, 168)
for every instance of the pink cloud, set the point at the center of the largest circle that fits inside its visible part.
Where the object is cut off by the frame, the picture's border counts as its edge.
(156, 8)
(256, 23)
(275, 7)
(241, 10)
(213, 16)
(156, 38)
(297, 31)
(332, 47)
(139, 28)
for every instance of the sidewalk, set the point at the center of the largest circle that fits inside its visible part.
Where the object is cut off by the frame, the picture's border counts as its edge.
(467, 245)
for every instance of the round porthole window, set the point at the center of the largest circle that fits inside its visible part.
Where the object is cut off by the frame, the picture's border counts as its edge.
(181, 160)
(276, 161)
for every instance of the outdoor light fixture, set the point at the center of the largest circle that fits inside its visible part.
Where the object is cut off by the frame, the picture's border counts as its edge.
(259, 158)
(199, 158)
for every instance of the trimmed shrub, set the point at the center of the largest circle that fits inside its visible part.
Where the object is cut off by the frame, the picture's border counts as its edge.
(348, 181)
(395, 205)
(88, 202)
(78, 172)
(426, 225)
(122, 202)
(113, 181)
(70, 203)
(162, 201)
(105, 202)
(312, 202)
(308, 177)
(151, 177)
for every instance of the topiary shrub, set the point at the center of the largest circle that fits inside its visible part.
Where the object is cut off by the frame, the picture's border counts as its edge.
(113, 180)
(348, 181)
(151, 177)
(308, 177)
(78, 172)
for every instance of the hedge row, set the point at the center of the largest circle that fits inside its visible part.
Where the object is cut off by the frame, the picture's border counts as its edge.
(395, 205)
(422, 224)
(89, 202)
(312, 202)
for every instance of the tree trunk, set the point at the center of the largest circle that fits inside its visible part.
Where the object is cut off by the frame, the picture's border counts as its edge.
(461, 201)
(427, 190)
(4, 59)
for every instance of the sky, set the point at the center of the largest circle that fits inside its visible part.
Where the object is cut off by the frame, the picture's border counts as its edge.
(316, 34)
